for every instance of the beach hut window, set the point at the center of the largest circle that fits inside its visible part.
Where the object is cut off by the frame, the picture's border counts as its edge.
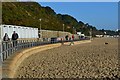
(10, 26)
(5, 26)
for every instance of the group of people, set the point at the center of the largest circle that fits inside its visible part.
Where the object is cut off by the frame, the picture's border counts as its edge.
(69, 38)
(14, 38)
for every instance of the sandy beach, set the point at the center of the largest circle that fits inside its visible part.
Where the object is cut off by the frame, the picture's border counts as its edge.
(90, 60)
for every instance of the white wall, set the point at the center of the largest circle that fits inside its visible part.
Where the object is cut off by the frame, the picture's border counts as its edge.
(23, 32)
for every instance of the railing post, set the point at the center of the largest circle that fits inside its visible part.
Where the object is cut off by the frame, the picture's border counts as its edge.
(6, 44)
(4, 52)
(8, 48)
(1, 53)
(18, 44)
(23, 44)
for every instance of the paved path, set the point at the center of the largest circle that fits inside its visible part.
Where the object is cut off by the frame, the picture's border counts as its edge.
(0, 63)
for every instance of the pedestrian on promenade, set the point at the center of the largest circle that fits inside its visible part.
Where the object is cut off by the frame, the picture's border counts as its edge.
(38, 39)
(14, 39)
(66, 37)
(72, 41)
(5, 39)
(73, 37)
(69, 38)
(62, 42)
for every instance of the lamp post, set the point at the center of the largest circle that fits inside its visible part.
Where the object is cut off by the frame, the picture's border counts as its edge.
(40, 28)
(63, 27)
(90, 33)
(73, 29)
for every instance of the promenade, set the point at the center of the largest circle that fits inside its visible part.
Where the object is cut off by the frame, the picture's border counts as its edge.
(0, 63)
(90, 60)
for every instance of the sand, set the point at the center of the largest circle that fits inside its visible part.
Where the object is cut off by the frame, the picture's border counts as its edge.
(90, 60)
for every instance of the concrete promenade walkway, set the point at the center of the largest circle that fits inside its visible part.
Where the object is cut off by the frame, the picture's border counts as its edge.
(0, 63)
(13, 62)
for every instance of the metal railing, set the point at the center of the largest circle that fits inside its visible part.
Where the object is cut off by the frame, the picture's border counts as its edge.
(10, 47)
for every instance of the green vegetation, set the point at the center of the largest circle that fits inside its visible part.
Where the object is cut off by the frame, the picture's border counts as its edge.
(29, 13)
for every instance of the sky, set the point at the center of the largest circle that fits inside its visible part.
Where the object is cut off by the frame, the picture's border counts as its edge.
(102, 15)
(70, 0)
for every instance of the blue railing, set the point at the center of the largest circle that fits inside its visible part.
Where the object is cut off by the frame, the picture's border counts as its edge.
(10, 47)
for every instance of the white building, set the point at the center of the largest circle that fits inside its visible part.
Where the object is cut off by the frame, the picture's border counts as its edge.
(23, 32)
(80, 34)
(99, 36)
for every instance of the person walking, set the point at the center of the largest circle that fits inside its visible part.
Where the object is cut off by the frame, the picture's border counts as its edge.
(14, 39)
(72, 41)
(72, 37)
(6, 37)
(62, 41)
(5, 43)
(66, 37)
